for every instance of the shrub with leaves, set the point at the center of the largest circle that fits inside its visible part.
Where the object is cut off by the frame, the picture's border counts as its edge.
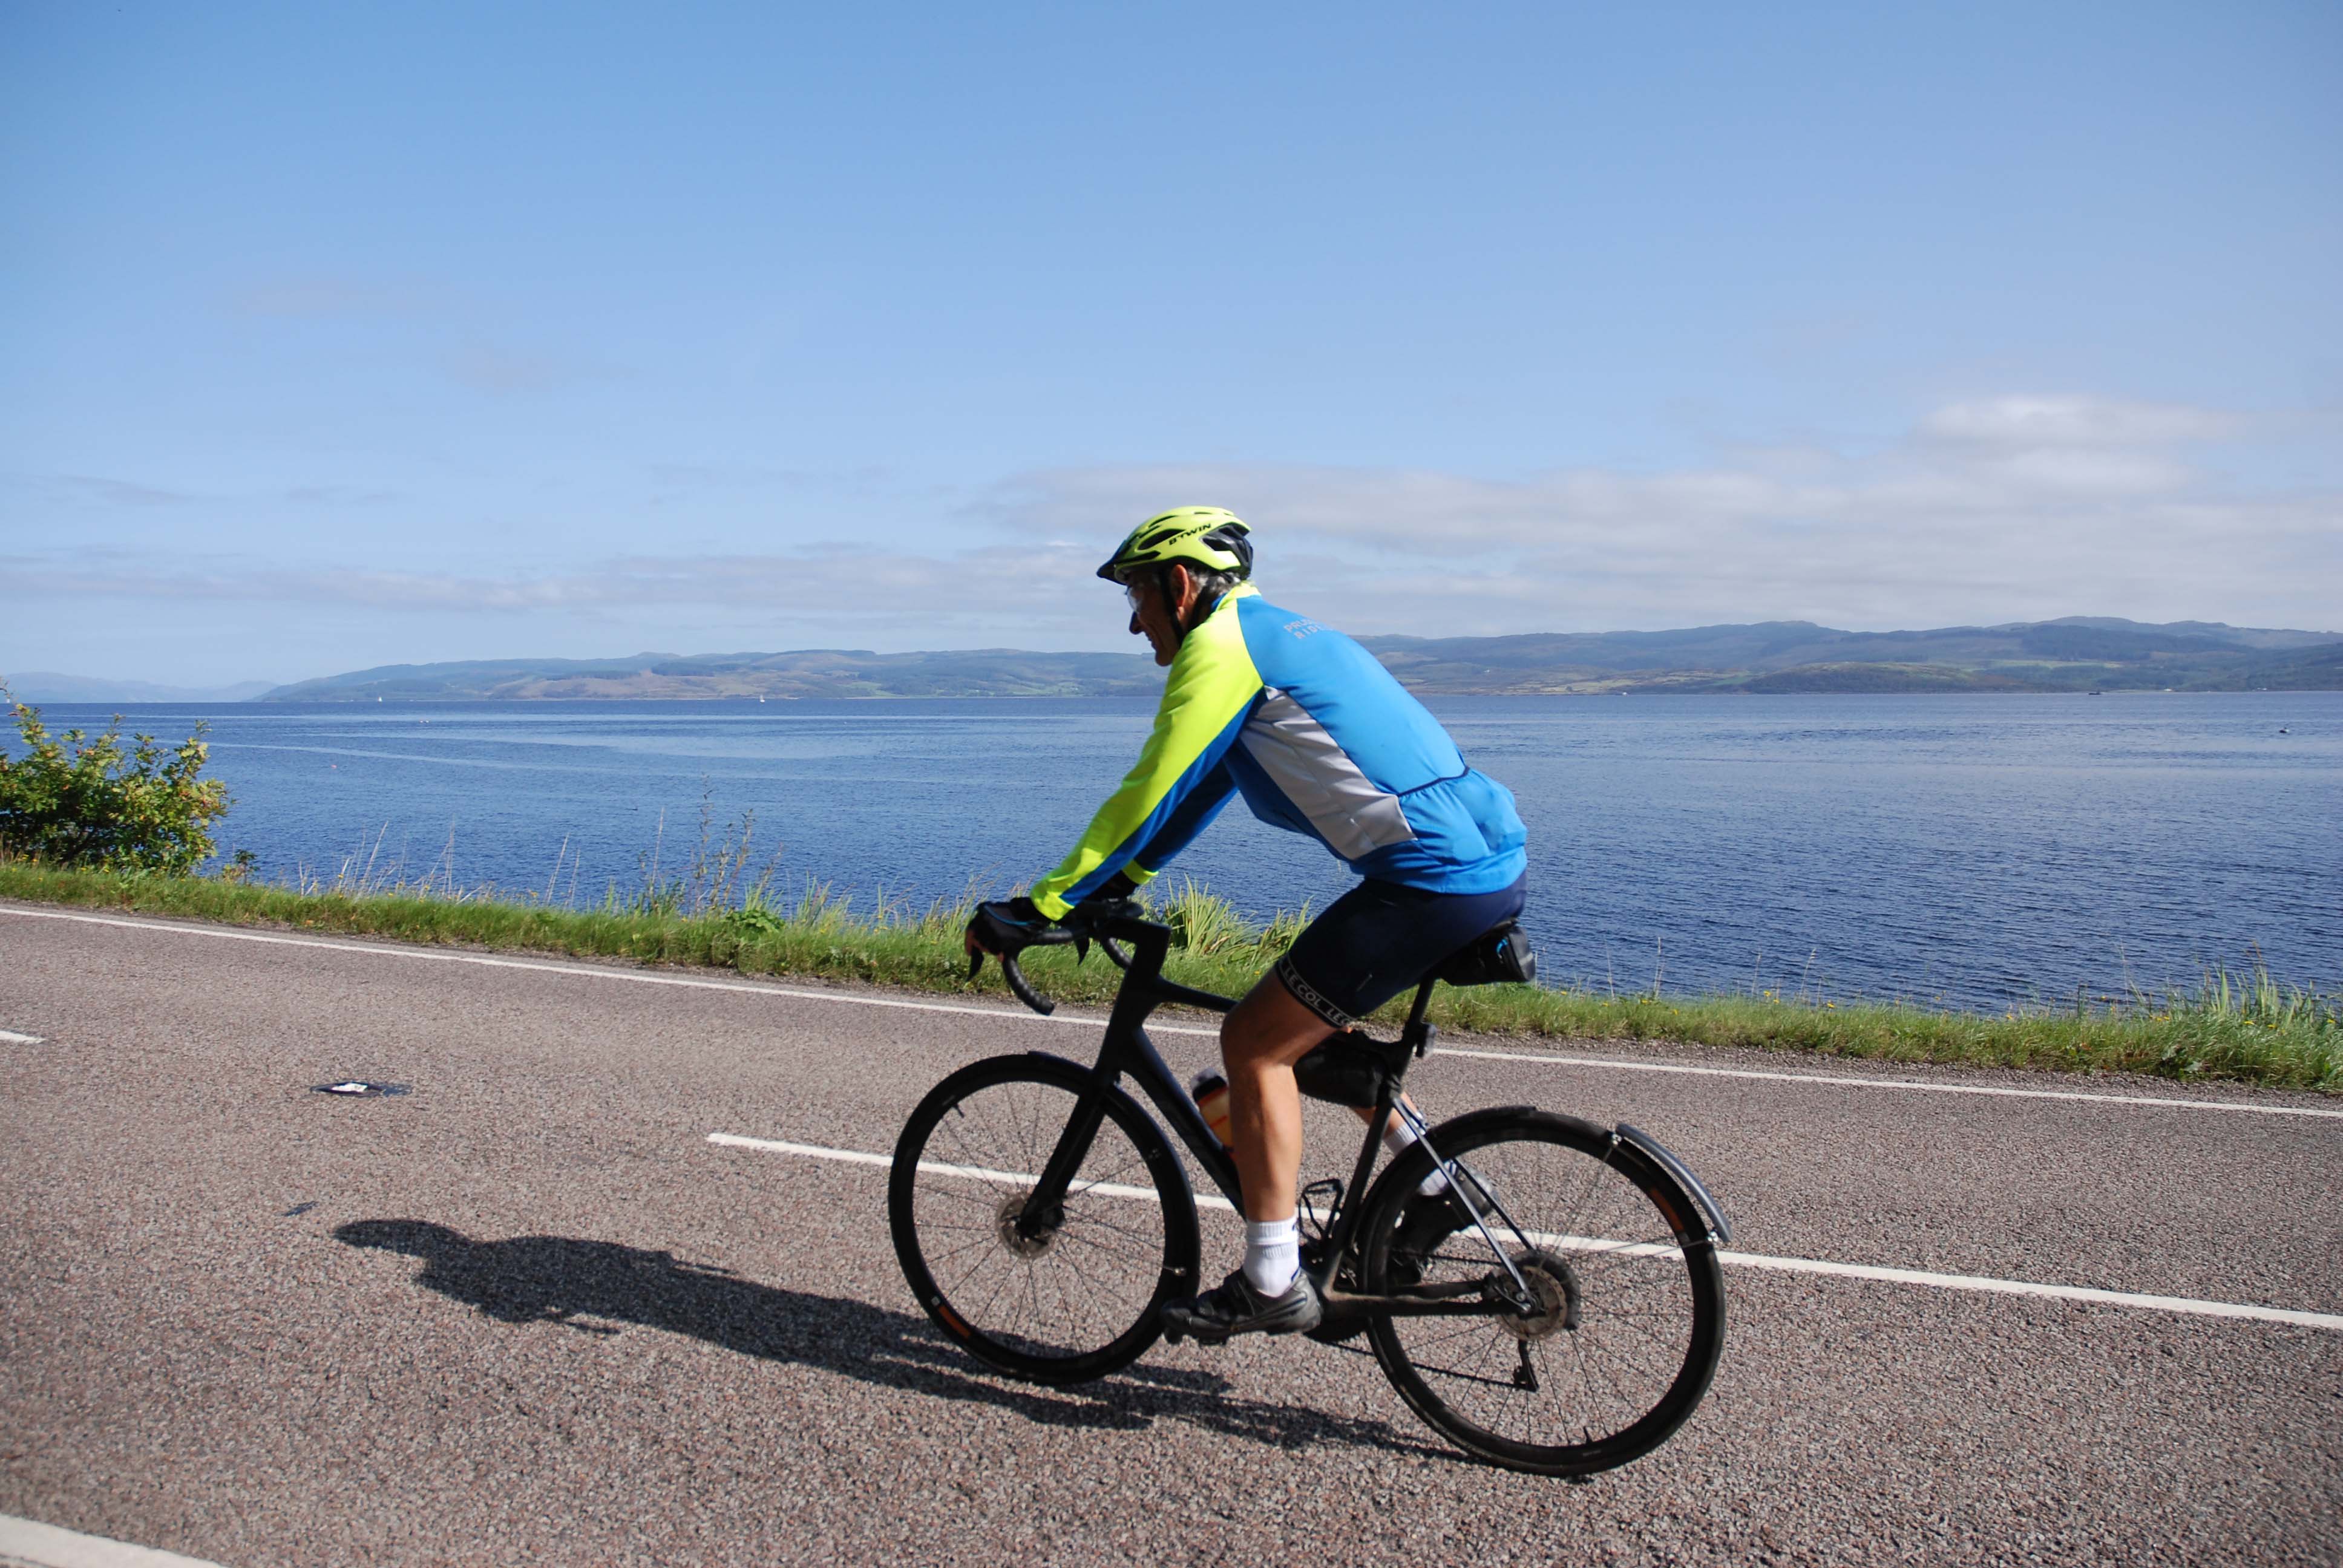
(75, 799)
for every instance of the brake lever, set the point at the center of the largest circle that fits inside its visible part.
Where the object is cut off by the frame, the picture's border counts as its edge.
(1087, 917)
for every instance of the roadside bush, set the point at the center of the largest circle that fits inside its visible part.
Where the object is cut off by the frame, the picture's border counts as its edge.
(75, 799)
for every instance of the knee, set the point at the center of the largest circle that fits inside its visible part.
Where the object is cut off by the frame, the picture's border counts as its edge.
(1233, 1044)
(1243, 1045)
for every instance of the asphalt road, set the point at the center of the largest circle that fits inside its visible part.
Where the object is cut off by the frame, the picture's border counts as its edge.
(527, 1312)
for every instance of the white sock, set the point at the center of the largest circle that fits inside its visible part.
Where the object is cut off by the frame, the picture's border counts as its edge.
(1397, 1138)
(1272, 1255)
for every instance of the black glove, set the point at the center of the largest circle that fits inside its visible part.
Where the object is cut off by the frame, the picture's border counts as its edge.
(1004, 926)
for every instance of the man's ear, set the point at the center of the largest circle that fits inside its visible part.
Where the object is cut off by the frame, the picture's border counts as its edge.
(1182, 583)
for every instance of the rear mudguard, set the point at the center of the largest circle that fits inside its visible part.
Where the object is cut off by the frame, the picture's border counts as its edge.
(1639, 1148)
(1720, 1229)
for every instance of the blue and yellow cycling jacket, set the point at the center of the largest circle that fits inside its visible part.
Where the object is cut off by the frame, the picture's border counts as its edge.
(1321, 741)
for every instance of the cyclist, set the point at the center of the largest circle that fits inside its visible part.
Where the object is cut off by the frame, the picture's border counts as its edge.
(1322, 741)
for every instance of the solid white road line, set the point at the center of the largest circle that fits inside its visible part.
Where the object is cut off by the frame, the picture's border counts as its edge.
(640, 977)
(10, 1037)
(1912, 1085)
(1930, 1279)
(23, 1541)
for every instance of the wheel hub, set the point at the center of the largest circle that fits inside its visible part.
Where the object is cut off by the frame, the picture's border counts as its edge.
(1012, 1208)
(1553, 1285)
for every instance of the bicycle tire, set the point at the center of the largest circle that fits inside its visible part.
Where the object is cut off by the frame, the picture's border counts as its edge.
(1623, 1261)
(1082, 1300)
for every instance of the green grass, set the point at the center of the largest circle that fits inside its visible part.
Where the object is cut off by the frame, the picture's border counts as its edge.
(2249, 1029)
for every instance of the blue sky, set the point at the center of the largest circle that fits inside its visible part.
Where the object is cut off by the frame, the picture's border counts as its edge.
(339, 336)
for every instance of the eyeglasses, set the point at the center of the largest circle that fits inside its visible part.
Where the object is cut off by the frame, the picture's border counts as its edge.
(1130, 592)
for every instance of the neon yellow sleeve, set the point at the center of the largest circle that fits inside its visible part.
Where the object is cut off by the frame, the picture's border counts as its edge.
(1206, 698)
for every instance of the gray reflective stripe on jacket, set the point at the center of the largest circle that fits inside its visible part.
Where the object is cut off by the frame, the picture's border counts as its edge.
(1310, 767)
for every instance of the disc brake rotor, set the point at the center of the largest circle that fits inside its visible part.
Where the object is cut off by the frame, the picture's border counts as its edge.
(1555, 1285)
(1005, 1218)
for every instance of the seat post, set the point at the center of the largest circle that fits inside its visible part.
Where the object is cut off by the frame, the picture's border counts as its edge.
(1419, 1033)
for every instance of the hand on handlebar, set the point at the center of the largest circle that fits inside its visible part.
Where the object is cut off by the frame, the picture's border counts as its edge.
(1004, 926)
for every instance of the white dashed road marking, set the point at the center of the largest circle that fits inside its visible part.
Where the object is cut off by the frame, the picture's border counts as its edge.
(10, 1037)
(1923, 1277)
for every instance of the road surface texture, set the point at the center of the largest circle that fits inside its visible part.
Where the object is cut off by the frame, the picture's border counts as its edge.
(528, 1312)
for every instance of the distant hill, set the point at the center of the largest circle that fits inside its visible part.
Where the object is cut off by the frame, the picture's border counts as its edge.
(815, 672)
(2073, 654)
(48, 686)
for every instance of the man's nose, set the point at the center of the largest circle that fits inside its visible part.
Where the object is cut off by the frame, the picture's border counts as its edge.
(1135, 628)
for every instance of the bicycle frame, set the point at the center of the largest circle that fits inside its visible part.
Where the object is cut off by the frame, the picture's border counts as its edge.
(1128, 1051)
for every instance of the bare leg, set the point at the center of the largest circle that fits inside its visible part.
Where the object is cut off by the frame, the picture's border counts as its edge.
(1261, 1040)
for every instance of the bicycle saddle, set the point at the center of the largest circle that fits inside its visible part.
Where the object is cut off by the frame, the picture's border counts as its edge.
(1499, 955)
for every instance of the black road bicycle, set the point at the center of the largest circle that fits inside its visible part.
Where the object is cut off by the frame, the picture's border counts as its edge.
(1557, 1310)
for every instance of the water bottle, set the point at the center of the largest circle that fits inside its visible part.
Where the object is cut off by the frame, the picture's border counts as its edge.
(1211, 1092)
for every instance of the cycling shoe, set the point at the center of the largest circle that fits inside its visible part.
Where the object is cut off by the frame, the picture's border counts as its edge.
(1236, 1308)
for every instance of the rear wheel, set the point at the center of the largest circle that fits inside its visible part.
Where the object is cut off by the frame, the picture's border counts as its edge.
(1629, 1304)
(1077, 1299)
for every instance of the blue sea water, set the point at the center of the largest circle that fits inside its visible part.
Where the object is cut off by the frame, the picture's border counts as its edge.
(1979, 850)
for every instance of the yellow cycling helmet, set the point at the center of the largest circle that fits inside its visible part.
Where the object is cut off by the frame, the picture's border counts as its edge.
(1207, 536)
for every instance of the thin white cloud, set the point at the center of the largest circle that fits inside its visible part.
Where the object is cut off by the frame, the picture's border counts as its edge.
(1999, 508)
(2036, 421)
(2002, 509)
(834, 594)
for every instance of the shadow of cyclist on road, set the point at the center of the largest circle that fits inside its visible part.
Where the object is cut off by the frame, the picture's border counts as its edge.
(597, 1286)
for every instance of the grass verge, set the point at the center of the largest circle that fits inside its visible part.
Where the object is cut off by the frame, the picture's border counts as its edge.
(2249, 1029)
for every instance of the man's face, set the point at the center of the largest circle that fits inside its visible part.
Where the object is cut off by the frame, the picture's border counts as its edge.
(1151, 615)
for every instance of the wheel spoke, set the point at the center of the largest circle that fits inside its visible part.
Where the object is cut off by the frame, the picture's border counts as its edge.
(1592, 1236)
(1069, 1292)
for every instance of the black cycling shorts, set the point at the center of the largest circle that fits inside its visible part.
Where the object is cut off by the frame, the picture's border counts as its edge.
(1380, 938)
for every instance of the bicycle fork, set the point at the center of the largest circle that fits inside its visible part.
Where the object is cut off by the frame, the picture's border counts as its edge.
(1045, 1206)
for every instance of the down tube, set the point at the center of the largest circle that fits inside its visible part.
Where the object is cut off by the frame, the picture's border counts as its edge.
(1155, 1076)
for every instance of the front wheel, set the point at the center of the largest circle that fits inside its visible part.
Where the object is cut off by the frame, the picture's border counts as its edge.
(1077, 1299)
(1624, 1321)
